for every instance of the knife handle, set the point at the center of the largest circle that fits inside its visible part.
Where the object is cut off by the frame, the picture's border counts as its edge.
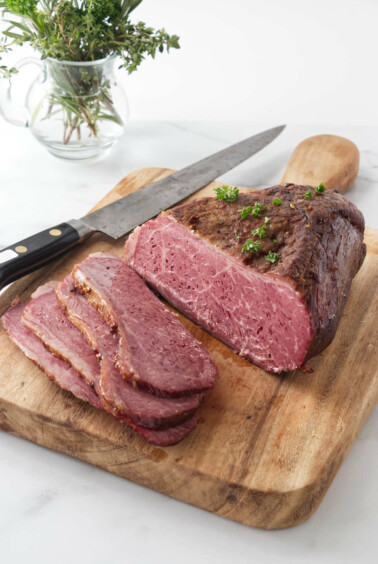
(32, 253)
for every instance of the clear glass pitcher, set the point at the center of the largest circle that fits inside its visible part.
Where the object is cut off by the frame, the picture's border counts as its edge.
(76, 110)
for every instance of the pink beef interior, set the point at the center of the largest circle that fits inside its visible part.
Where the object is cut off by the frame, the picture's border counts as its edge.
(68, 379)
(56, 369)
(45, 317)
(260, 316)
(156, 350)
(142, 407)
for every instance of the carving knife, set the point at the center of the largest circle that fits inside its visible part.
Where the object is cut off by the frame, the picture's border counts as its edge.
(120, 217)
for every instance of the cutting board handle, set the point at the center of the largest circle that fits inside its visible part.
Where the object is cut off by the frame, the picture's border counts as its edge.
(329, 159)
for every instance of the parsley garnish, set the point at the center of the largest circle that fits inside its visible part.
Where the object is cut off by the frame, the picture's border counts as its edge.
(260, 231)
(267, 219)
(258, 209)
(277, 202)
(250, 245)
(321, 188)
(245, 211)
(227, 193)
(308, 194)
(272, 257)
(274, 240)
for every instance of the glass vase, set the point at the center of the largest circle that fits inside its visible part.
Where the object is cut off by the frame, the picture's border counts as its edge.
(76, 110)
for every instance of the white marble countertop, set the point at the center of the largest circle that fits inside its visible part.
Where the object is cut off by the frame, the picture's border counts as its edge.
(56, 509)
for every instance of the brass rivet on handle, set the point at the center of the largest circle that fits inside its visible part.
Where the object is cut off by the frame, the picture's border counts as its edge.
(20, 249)
(55, 232)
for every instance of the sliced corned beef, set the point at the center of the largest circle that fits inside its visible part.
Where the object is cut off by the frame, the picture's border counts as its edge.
(45, 317)
(156, 351)
(68, 379)
(268, 274)
(171, 436)
(56, 369)
(119, 395)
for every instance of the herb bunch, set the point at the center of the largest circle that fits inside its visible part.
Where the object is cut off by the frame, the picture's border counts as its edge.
(83, 30)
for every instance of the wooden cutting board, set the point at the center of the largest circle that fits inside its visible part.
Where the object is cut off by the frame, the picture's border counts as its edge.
(267, 447)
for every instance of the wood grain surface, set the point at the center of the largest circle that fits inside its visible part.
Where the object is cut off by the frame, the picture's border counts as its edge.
(329, 159)
(267, 447)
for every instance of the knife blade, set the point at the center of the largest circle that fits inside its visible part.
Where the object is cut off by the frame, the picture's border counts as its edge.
(120, 217)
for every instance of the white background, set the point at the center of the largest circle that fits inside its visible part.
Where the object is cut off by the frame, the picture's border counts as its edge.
(243, 65)
(297, 61)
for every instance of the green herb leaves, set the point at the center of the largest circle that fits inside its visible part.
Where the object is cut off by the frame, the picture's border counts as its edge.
(251, 246)
(260, 231)
(21, 7)
(245, 211)
(321, 188)
(86, 30)
(272, 257)
(254, 247)
(227, 193)
(307, 195)
(256, 210)
(318, 189)
(277, 202)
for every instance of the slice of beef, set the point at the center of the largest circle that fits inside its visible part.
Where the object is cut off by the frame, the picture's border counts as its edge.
(156, 351)
(276, 300)
(91, 324)
(45, 317)
(44, 288)
(68, 379)
(171, 436)
(121, 396)
(56, 369)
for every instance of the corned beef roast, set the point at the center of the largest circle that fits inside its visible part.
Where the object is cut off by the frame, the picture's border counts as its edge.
(156, 352)
(268, 274)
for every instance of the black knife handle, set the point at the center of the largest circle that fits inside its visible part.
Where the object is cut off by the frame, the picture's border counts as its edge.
(32, 253)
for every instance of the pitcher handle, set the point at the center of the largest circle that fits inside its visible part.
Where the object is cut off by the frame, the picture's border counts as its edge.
(9, 109)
